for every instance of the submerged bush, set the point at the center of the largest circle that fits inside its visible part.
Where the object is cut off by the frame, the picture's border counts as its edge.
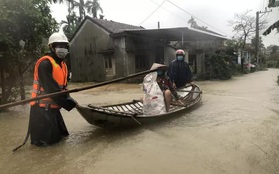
(220, 65)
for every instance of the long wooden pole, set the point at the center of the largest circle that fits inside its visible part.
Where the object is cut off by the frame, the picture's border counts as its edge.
(75, 90)
(189, 91)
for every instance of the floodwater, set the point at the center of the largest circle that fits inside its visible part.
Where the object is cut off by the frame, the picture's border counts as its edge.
(235, 129)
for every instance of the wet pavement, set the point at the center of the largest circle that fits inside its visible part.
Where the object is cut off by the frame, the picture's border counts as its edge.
(235, 129)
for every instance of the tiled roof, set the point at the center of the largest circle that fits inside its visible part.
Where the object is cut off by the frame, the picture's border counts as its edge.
(116, 29)
(112, 26)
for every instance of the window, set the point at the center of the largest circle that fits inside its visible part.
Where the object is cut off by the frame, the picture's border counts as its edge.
(141, 62)
(108, 62)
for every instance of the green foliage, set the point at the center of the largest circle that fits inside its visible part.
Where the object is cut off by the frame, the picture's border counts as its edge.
(24, 25)
(221, 65)
(273, 61)
(70, 25)
(273, 3)
(93, 7)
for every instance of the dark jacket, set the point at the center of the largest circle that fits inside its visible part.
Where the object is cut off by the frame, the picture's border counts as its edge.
(179, 73)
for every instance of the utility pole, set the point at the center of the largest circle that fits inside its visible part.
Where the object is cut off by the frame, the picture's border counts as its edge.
(257, 34)
(257, 38)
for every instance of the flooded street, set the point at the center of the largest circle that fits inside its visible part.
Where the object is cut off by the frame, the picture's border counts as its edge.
(235, 129)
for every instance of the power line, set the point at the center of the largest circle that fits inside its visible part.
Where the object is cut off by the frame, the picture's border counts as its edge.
(153, 12)
(270, 37)
(195, 17)
(169, 11)
(160, 6)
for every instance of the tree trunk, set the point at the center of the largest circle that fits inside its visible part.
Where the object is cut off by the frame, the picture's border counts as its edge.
(21, 83)
(21, 87)
(242, 58)
(3, 86)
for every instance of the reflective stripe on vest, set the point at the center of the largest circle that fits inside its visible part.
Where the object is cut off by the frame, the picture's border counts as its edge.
(59, 74)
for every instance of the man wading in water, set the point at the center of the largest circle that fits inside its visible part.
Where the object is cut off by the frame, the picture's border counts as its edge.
(46, 125)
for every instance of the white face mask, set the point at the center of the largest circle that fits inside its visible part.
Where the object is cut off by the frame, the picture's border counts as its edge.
(61, 52)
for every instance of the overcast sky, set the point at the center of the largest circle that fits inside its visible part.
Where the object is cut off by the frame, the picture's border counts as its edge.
(213, 14)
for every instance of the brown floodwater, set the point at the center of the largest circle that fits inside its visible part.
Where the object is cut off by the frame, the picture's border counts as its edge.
(235, 129)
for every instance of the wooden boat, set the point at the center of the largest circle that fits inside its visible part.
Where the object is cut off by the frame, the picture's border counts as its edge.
(131, 113)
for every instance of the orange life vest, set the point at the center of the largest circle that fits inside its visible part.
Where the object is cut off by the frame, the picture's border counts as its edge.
(59, 74)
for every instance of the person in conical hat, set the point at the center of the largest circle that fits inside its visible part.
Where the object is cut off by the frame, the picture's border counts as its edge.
(165, 84)
(158, 66)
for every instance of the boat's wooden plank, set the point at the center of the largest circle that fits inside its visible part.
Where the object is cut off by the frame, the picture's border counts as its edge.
(130, 108)
(123, 108)
(136, 108)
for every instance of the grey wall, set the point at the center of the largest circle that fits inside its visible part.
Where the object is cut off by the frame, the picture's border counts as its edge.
(86, 62)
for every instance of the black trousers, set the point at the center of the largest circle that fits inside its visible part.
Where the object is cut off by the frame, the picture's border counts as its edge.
(46, 126)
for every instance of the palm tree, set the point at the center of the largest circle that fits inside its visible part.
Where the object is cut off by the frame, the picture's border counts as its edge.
(81, 7)
(70, 17)
(70, 25)
(93, 7)
(55, 1)
(192, 22)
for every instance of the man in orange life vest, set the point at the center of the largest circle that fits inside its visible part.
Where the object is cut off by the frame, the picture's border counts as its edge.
(50, 75)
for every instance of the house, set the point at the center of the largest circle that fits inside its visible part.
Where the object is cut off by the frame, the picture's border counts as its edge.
(102, 49)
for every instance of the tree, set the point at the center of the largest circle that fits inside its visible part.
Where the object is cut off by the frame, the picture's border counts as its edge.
(55, 1)
(24, 25)
(72, 20)
(70, 25)
(194, 24)
(220, 64)
(81, 6)
(244, 25)
(93, 7)
(273, 3)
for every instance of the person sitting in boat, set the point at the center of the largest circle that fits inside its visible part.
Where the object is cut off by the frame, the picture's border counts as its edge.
(179, 70)
(165, 85)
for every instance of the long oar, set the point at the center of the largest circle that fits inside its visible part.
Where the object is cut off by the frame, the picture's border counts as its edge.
(75, 90)
(189, 91)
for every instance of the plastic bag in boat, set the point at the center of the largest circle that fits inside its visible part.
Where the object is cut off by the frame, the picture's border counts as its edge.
(153, 99)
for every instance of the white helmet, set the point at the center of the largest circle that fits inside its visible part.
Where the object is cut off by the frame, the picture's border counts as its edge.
(57, 37)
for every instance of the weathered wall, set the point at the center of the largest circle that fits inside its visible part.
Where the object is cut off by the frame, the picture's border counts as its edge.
(169, 55)
(120, 56)
(200, 58)
(86, 63)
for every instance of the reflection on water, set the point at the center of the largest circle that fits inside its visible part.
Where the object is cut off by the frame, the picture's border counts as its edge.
(233, 130)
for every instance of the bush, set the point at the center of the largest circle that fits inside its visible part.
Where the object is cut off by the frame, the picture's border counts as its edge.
(220, 65)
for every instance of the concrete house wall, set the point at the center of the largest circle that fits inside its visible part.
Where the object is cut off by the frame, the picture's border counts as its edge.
(169, 53)
(86, 63)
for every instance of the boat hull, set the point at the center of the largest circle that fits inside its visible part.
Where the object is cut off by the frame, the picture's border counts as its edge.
(130, 113)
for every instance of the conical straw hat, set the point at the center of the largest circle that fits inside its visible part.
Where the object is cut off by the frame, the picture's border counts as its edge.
(158, 66)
